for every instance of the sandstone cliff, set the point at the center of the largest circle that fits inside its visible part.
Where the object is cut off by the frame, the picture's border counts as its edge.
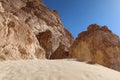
(97, 45)
(29, 29)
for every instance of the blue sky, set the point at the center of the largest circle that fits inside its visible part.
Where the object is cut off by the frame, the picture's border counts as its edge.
(76, 15)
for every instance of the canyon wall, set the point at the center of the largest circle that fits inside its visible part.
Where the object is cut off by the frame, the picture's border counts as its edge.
(28, 29)
(97, 45)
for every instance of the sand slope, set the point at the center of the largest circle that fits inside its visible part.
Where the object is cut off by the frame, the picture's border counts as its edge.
(54, 70)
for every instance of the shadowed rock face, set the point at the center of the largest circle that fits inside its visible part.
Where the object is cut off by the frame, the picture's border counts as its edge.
(97, 45)
(39, 25)
(45, 40)
(62, 53)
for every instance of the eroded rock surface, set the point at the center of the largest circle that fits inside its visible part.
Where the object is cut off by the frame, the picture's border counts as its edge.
(97, 45)
(17, 41)
(35, 25)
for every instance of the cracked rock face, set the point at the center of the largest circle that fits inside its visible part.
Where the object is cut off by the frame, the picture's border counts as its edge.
(97, 45)
(17, 41)
(31, 30)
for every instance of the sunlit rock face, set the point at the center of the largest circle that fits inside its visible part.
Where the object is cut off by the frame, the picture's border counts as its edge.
(17, 40)
(97, 45)
(34, 28)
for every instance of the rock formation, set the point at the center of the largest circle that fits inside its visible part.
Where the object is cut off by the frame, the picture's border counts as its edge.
(97, 45)
(17, 40)
(29, 29)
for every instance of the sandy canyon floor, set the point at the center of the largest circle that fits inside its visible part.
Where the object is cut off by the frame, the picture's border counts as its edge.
(54, 70)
